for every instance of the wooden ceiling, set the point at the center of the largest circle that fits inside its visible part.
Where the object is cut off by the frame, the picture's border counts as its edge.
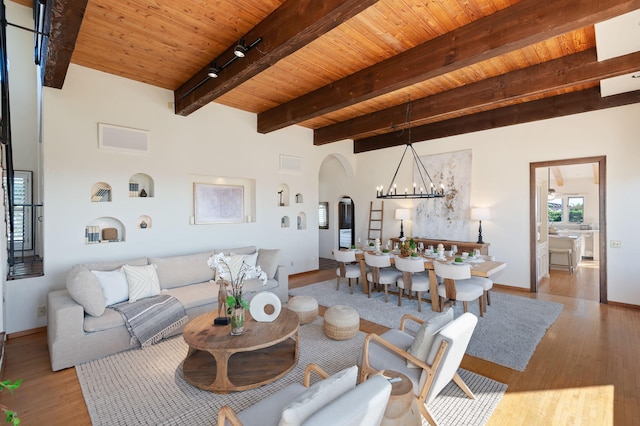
(348, 68)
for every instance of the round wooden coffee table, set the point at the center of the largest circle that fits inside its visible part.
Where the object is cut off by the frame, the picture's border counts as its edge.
(221, 363)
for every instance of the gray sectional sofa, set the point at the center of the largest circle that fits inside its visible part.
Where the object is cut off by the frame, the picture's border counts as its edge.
(81, 328)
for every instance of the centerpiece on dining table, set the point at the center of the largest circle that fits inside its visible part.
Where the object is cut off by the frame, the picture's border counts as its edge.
(232, 271)
(407, 247)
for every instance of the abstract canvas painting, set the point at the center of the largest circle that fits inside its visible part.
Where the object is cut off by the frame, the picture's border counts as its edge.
(445, 218)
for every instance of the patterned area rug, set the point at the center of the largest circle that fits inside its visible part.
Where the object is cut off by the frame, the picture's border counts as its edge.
(507, 335)
(146, 387)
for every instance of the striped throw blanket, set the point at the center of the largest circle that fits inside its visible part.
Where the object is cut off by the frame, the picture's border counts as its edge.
(151, 319)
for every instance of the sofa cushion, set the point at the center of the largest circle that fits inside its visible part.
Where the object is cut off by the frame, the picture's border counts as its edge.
(178, 271)
(425, 336)
(318, 395)
(268, 261)
(254, 285)
(109, 319)
(113, 265)
(194, 295)
(84, 288)
(114, 285)
(143, 281)
(238, 250)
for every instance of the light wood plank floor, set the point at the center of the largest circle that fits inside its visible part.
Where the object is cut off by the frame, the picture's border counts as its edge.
(584, 371)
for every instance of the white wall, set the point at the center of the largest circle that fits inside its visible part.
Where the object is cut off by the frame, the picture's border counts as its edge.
(214, 141)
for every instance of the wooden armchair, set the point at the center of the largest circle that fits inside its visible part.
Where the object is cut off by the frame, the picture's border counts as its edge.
(391, 351)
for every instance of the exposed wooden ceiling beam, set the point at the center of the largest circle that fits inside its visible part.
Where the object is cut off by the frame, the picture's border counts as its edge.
(557, 106)
(62, 22)
(557, 175)
(517, 26)
(548, 77)
(293, 25)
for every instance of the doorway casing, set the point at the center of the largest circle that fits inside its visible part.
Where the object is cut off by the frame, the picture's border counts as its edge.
(602, 219)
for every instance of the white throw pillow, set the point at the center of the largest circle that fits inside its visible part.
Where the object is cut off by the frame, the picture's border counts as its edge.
(426, 334)
(318, 395)
(143, 281)
(114, 285)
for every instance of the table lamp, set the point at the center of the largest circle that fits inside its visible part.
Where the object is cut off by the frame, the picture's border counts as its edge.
(480, 214)
(401, 215)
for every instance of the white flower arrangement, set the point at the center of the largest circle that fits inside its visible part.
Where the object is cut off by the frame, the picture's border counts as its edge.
(234, 284)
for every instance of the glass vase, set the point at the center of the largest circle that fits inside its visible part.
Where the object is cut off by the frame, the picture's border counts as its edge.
(237, 321)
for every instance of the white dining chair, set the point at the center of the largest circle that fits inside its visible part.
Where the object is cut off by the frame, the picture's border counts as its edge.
(485, 283)
(414, 278)
(456, 285)
(347, 267)
(381, 273)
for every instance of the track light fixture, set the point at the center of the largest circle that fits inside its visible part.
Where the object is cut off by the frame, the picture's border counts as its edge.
(240, 49)
(213, 71)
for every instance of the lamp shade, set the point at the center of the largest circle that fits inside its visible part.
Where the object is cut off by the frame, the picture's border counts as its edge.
(403, 214)
(480, 213)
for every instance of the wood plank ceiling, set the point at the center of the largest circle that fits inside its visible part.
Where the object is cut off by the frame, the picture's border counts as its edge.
(348, 68)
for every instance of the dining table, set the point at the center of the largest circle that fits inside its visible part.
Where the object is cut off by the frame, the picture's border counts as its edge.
(479, 267)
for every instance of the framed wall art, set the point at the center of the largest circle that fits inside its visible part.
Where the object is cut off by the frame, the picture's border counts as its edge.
(218, 203)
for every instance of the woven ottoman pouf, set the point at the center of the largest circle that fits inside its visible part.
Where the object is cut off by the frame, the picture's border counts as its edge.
(341, 322)
(305, 306)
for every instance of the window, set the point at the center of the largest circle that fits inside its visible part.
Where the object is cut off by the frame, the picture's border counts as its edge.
(555, 210)
(576, 209)
(568, 209)
(323, 215)
(23, 213)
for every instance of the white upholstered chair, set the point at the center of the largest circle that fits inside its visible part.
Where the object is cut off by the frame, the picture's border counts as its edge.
(437, 358)
(485, 283)
(347, 267)
(381, 272)
(414, 278)
(335, 400)
(457, 286)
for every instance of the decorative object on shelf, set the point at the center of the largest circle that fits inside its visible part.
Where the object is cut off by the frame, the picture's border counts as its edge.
(231, 273)
(263, 301)
(480, 214)
(425, 191)
(143, 225)
(143, 193)
(402, 215)
(110, 234)
(101, 194)
(133, 189)
(280, 202)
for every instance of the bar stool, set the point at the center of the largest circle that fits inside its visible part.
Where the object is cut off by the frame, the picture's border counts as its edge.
(562, 251)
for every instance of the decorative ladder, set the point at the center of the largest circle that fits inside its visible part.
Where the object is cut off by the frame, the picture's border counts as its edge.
(376, 219)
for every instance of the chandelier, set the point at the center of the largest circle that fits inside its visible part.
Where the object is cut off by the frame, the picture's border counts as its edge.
(426, 189)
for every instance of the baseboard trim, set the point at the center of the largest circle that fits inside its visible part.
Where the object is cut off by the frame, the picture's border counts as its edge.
(26, 332)
(508, 287)
(623, 305)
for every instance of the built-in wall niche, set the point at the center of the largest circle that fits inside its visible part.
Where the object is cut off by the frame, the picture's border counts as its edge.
(141, 185)
(104, 230)
(100, 192)
(283, 195)
(144, 222)
(302, 221)
(284, 222)
(299, 198)
(218, 199)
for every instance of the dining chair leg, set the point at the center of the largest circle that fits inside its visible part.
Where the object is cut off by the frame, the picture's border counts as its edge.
(386, 293)
(464, 306)
(419, 304)
(400, 298)
(488, 297)
(338, 284)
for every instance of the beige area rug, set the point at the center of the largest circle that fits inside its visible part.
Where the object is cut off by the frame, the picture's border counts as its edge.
(146, 387)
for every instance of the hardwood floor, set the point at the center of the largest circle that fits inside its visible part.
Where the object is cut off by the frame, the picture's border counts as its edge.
(584, 371)
(582, 284)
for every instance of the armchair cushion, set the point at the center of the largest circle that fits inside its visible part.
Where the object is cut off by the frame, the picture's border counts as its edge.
(318, 395)
(425, 335)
